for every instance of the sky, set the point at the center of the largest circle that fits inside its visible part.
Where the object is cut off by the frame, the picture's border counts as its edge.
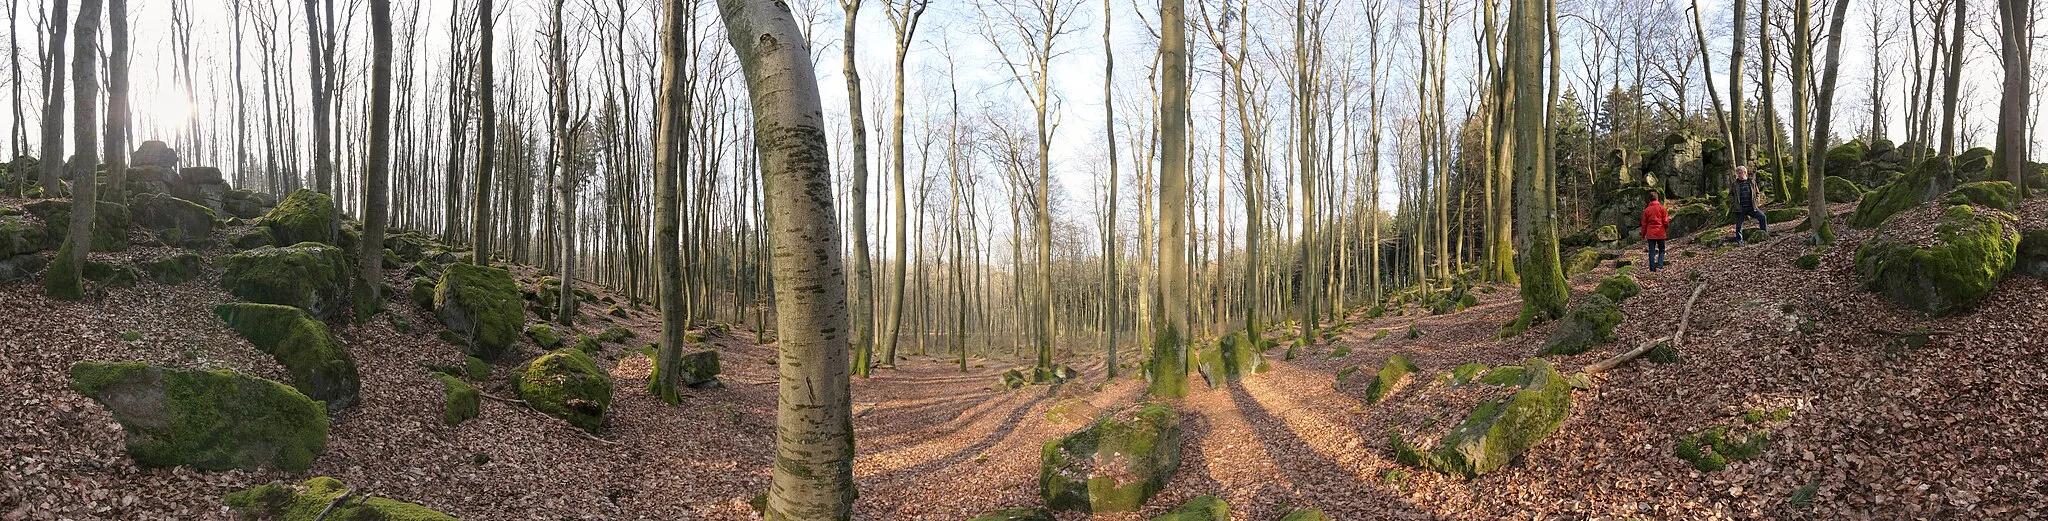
(954, 27)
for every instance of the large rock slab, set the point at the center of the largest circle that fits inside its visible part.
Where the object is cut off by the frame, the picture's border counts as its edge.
(304, 216)
(1499, 430)
(566, 384)
(176, 221)
(1230, 358)
(321, 498)
(110, 223)
(1115, 464)
(210, 420)
(1969, 250)
(308, 276)
(2033, 254)
(20, 235)
(1201, 508)
(1590, 322)
(481, 305)
(320, 367)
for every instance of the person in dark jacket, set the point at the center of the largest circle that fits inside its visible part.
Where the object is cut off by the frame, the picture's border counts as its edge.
(1655, 223)
(1745, 195)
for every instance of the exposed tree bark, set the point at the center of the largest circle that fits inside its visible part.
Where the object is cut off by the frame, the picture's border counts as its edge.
(668, 123)
(117, 101)
(1738, 146)
(63, 281)
(1816, 178)
(863, 298)
(904, 19)
(319, 68)
(1111, 284)
(813, 477)
(486, 136)
(18, 131)
(1544, 290)
(2016, 55)
(52, 163)
(1952, 86)
(1169, 357)
(377, 167)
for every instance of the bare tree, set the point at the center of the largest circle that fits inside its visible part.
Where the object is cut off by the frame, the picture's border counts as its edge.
(2015, 52)
(1816, 178)
(668, 144)
(63, 280)
(117, 101)
(857, 198)
(1169, 357)
(486, 137)
(813, 477)
(1544, 289)
(903, 17)
(377, 167)
(52, 164)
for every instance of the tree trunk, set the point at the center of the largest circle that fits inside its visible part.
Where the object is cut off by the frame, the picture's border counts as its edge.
(1738, 148)
(486, 135)
(377, 167)
(1169, 362)
(1952, 86)
(2015, 53)
(1816, 180)
(668, 123)
(863, 298)
(905, 23)
(52, 163)
(1543, 285)
(1802, 72)
(117, 101)
(1110, 248)
(63, 281)
(323, 175)
(813, 478)
(564, 175)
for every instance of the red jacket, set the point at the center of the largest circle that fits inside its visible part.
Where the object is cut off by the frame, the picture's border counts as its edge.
(1655, 220)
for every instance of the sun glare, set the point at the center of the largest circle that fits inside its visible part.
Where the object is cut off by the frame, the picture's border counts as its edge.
(168, 111)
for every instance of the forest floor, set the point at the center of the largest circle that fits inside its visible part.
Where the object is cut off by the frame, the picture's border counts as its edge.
(1951, 429)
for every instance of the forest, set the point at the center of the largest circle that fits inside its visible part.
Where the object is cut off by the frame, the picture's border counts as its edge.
(1022, 259)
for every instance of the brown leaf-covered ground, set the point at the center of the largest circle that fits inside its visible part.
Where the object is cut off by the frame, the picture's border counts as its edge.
(1950, 430)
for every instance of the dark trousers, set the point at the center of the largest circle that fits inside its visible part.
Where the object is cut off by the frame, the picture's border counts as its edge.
(1761, 222)
(1656, 252)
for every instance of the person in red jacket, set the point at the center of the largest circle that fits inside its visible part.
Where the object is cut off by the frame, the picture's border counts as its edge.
(1655, 221)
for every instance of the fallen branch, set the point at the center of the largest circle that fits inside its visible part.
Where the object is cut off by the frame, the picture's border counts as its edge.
(1676, 339)
(330, 504)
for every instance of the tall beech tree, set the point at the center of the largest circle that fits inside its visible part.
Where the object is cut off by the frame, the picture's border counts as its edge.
(64, 280)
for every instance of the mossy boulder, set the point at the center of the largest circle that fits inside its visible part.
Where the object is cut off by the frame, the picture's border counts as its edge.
(1809, 261)
(19, 236)
(113, 274)
(545, 336)
(320, 367)
(1711, 450)
(110, 224)
(1925, 183)
(1841, 190)
(1230, 358)
(1618, 288)
(1785, 215)
(1201, 508)
(1584, 261)
(323, 498)
(1016, 514)
(175, 269)
(1689, 219)
(482, 305)
(566, 384)
(1306, 514)
(1389, 378)
(304, 216)
(210, 420)
(242, 204)
(699, 369)
(1996, 194)
(1588, 323)
(308, 276)
(2033, 254)
(177, 221)
(1497, 431)
(422, 294)
(1970, 251)
(1115, 464)
(1012, 380)
(460, 401)
(254, 238)
(21, 266)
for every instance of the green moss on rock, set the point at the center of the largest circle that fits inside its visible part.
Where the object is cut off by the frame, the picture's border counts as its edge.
(1115, 464)
(177, 221)
(110, 224)
(1584, 261)
(20, 236)
(545, 336)
(321, 496)
(1306, 514)
(616, 334)
(1970, 252)
(1711, 450)
(210, 420)
(1785, 215)
(1618, 288)
(1690, 218)
(482, 305)
(307, 276)
(699, 369)
(1201, 508)
(2033, 254)
(304, 216)
(1809, 261)
(254, 238)
(1840, 190)
(320, 367)
(1389, 377)
(1498, 431)
(566, 384)
(175, 269)
(1588, 323)
(1996, 194)
(460, 400)
(1232, 357)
